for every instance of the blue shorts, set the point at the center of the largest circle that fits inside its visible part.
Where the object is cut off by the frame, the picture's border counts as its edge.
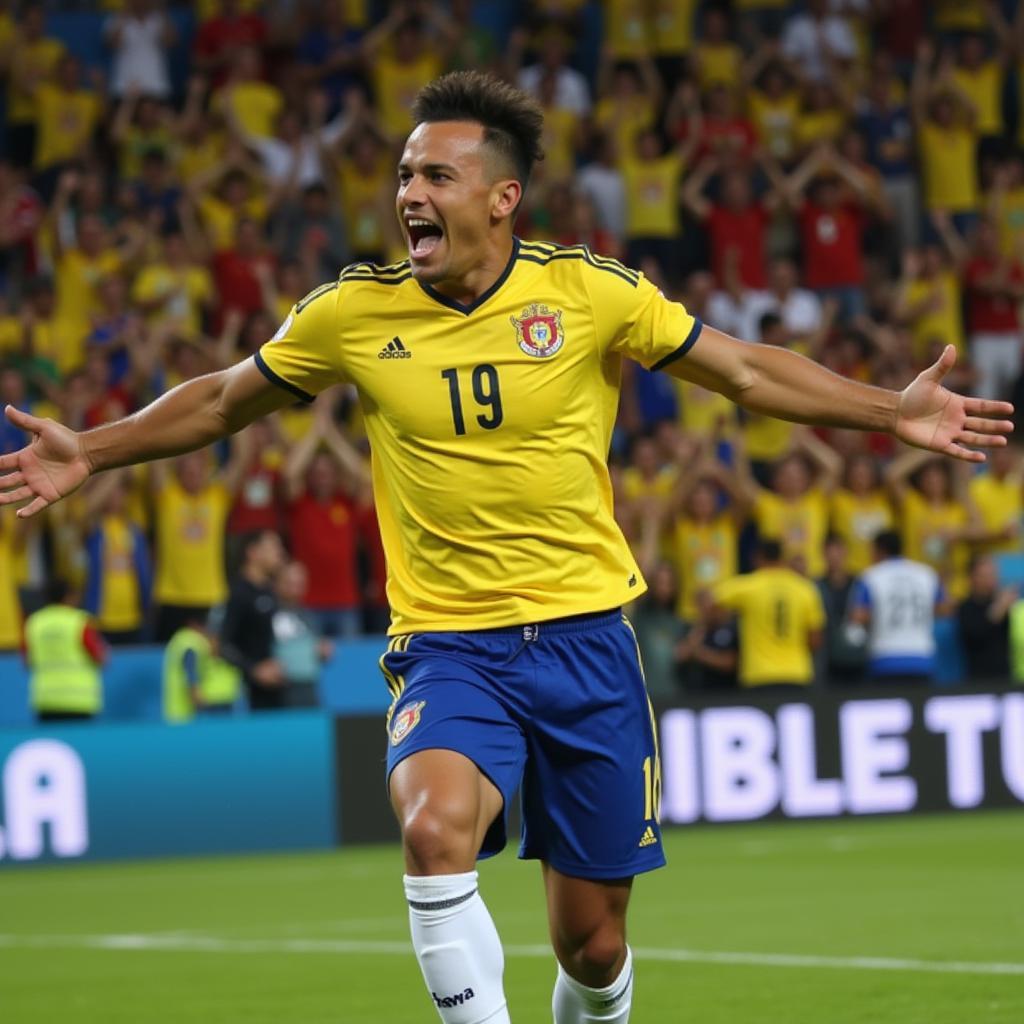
(559, 708)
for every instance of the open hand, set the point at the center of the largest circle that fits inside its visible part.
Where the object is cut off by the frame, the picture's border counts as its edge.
(932, 417)
(49, 468)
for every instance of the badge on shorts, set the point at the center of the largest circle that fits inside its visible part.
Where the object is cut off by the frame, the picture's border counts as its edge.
(406, 722)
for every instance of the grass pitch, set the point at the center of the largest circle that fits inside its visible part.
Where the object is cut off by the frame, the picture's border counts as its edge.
(898, 921)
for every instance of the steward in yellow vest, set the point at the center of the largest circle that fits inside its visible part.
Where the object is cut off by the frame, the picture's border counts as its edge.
(195, 680)
(64, 653)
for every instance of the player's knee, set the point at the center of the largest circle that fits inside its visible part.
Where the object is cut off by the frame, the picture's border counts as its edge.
(437, 843)
(594, 959)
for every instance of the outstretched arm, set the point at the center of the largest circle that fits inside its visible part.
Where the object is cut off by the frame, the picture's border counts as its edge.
(191, 416)
(776, 382)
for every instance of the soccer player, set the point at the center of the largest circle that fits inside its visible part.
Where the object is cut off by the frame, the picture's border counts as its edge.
(488, 372)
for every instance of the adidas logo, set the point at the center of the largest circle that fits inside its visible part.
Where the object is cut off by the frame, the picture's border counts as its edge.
(394, 349)
(648, 838)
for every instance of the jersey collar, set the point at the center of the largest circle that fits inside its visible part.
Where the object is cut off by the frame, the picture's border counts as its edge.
(465, 309)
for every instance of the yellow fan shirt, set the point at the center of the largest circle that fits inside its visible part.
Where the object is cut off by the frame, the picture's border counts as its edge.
(925, 528)
(999, 504)
(858, 518)
(65, 122)
(190, 544)
(652, 196)
(800, 526)
(950, 173)
(10, 609)
(944, 322)
(395, 84)
(705, 555)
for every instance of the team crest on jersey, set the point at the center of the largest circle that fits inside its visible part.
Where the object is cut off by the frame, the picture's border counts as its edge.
(539, 331)
(406, 722)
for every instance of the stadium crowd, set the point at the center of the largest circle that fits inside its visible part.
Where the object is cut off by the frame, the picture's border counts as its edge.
(841, 177)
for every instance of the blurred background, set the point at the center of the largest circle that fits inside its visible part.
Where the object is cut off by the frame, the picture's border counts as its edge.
(840, 177)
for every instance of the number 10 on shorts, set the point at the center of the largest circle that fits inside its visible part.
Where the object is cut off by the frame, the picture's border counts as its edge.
(652, 789)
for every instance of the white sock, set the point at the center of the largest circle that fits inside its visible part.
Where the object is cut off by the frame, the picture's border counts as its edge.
(458, 948)
(573, 1003)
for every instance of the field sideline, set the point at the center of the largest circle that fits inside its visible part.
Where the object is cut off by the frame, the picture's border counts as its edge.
(893, 921)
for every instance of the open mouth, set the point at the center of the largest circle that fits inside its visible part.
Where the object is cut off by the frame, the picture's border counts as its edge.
(424, 236)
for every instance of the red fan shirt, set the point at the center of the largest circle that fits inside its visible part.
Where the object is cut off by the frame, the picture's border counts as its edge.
(832, 245)
(987, 312)
(324, 539)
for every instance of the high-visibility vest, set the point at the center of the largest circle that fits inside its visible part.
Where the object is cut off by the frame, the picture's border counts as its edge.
(1017, 641)
(219, 682)
(64, 676)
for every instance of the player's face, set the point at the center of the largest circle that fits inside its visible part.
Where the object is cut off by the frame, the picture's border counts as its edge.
(446, 199)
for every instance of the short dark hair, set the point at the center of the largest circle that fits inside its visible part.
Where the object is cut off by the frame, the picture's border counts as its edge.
(888, 543)
(769, 549)
(249, 540)
(512, 120)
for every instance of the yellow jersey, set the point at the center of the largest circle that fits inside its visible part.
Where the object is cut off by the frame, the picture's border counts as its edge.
(366, 200)
(195, 158)
(950, 171)
(925, 531)
(636, 486)
(1009, 217)
(175, 293)
(10, 608)
(767, 439)
(984, 88)
(652, 196)
(78, 276)
(816, 126)
(705, 555)
(943, 321)
(775, 120)
(65, 123)
(30, 62)
(778, 609)
(256, 105)
(190, 545)
(624, 120)
(999, 504)
(627, 28)
(703, 411)
(800, 526)
(858, 518)
(12, 335)
(489, 425)
(396, 84)
(958, 16)
(718, 64)
(120, 599)
(558, 140)
(221, 220)
(672, 27)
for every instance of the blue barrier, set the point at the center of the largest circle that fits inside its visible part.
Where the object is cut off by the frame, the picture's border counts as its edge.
(350, 683)
(94, 791)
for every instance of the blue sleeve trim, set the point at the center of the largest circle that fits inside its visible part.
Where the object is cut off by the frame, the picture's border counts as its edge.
(861, 596)
(261, 365)
(698, 326)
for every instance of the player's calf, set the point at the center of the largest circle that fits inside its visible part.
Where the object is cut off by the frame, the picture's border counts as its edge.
(575, 1003)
